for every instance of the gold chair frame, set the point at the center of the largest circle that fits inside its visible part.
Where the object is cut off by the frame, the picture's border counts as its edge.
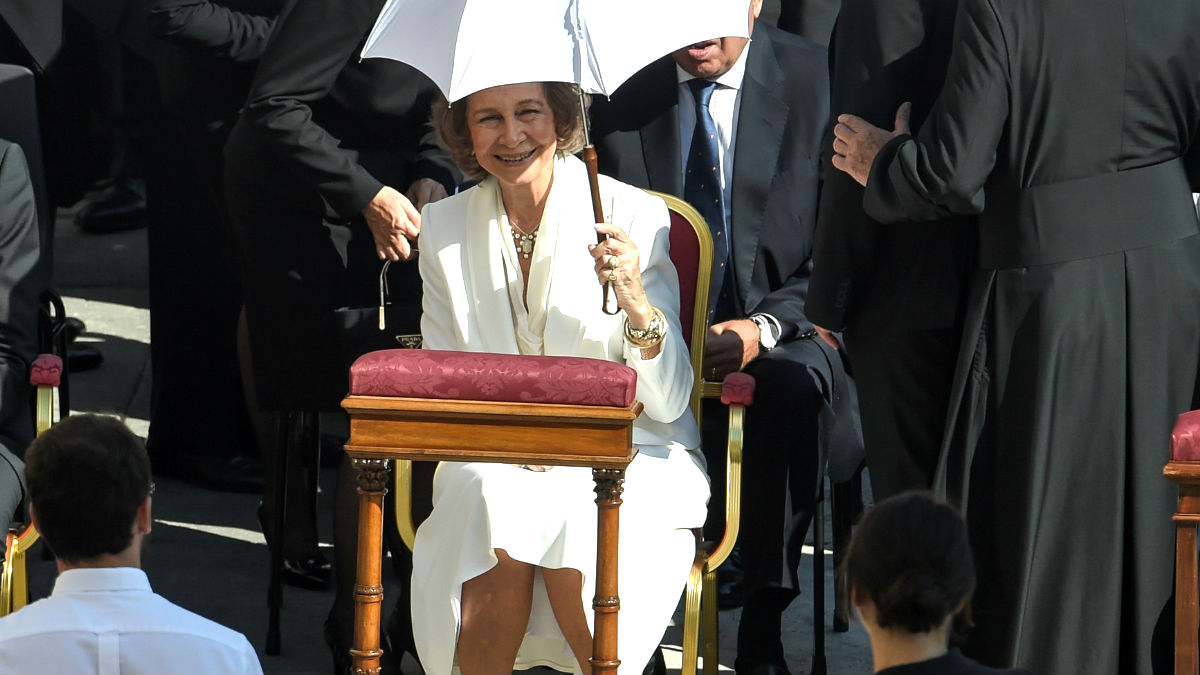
(700, 603)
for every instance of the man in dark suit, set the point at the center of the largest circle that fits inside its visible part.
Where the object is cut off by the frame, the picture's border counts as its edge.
(23, 277)
(897, 291)
(763, 109)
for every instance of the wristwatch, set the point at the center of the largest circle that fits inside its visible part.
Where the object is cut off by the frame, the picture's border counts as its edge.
(768, 331)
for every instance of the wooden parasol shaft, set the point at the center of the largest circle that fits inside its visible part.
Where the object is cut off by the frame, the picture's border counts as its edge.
(589, 159)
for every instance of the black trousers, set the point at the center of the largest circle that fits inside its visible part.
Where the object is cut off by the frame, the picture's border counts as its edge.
(781, 466)
(197, 405)
(903, 394)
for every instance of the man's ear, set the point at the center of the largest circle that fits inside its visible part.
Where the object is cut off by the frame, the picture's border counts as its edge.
(144, 520)
(858, 596)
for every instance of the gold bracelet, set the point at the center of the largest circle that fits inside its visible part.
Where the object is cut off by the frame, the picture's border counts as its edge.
(650, 336)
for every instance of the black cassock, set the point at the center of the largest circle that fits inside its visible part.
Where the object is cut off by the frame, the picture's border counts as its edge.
(1069, 126)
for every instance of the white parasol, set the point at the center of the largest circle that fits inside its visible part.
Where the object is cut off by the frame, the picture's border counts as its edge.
(465, 46)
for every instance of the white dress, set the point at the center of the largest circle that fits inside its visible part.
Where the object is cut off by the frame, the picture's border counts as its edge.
(549, 519)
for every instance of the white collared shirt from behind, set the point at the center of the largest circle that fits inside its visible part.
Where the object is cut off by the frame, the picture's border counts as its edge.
(108, 621)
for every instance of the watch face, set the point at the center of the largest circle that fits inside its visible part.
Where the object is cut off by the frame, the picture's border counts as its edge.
(766, 335)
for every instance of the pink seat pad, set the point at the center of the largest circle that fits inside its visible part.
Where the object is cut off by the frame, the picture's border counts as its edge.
(481, 376)
(1185, 437)
(46, 370)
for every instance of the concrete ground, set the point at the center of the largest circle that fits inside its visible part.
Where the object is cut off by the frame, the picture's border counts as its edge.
(207, 553)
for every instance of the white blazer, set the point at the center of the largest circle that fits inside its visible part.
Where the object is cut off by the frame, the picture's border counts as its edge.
(466, 303)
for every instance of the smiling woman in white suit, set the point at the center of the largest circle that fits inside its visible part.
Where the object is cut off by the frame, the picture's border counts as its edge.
(504, 566)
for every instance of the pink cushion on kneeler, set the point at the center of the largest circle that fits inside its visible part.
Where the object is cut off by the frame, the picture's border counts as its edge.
(737, 387)
(1185, 437)
(481, 376)
(46, 370)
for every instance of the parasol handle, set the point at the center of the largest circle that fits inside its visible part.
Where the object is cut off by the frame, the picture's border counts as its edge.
(589, 158)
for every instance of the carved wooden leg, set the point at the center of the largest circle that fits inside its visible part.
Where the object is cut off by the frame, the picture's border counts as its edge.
(1187, 605)
(606, 602)
(368, 589)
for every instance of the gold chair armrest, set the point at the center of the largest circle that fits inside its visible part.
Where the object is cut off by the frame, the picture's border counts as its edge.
(44, 415)
(733, 487)
(14, 586)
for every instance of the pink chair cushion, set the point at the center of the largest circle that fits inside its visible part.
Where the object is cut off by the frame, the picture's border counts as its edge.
(685, 253)
(737, 388)
(1185, 437)
(46, 371)
(480, 376)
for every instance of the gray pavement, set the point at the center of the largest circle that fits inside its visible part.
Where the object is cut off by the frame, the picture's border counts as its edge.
(207, 553)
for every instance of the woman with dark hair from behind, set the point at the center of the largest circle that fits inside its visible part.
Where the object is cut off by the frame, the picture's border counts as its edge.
(910, 576)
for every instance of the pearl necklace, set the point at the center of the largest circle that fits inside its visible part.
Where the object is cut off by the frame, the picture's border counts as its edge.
(523, 241)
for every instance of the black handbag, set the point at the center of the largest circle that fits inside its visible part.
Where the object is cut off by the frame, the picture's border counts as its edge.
(390, 325)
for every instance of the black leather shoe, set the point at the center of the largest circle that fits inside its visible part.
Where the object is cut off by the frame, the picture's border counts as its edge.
(240, 473)
(81, 358)
(313, 573)
(121, 206)
(731, 582)
(73, 328)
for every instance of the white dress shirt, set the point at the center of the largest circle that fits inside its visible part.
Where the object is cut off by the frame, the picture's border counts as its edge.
(108, 621)
(724, 105)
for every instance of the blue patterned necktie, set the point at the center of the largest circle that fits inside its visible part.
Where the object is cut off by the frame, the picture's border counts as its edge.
(702, 189)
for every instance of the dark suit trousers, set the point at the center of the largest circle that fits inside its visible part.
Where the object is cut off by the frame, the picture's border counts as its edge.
(903, 393)
(780, 468)
(197, 406)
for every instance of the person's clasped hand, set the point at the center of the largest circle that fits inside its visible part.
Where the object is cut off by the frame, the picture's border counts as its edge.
(616, 260)
(394, 221)
(729, 346)
(856, 142)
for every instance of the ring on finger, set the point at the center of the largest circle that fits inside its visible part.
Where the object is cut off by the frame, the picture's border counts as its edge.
(610, 261)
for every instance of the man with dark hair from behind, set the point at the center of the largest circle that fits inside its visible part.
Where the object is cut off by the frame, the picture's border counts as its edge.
(90, 493)
(910, 576)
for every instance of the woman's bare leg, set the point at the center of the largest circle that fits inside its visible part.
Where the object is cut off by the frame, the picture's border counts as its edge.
(495, 613)
(564, 587)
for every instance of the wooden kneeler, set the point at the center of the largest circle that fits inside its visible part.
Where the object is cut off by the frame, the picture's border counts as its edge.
(476, 407)
(1184, 470)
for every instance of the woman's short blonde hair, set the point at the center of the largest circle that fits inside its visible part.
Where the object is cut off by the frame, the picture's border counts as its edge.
(450, 122)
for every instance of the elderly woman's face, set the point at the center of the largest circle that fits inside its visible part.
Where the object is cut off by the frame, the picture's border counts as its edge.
(512, 132)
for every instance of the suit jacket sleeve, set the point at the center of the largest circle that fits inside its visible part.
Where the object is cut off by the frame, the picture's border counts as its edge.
(214, 29)
(943, 171)
(22, 279)
(776, 174)
(312, 44)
